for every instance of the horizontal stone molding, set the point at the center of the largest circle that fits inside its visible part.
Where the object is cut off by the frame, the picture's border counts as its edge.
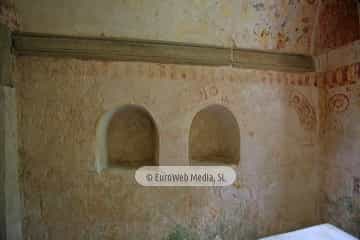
(337, 58)
(157, 51)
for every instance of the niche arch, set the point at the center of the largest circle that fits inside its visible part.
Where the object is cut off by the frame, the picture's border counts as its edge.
(127, 137)
(214, 137)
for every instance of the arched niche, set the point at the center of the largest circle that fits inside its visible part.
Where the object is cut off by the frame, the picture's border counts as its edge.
(127, 137)
(214, 137)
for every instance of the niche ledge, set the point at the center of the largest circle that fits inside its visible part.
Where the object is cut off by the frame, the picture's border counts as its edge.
(214, 138)
(127, 138)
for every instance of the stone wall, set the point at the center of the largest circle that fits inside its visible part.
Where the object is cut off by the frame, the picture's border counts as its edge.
(60, 102)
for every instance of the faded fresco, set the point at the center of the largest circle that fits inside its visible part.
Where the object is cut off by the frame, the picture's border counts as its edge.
(338, 24)
(306, 26)
(340, 136)
(285, 25)
(299, 132)
(61, 100)
(339, 57)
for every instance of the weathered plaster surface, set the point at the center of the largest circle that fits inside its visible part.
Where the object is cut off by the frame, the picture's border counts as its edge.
(2, 167)
(61, 100)
(338, 24)
(337, 44)
(131, 138)
(340, 148)
(339, 57)
(10, 204)
(12, 194)
(299, 133)
(261, 24)
(214, 136)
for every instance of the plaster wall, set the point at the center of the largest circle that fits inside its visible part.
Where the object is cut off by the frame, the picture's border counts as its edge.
(340, 148)
(338, 24)
(261, 24)
(60, 102)
(339, 57)
(11, 205)
(131, 138)
(214, 137)
(339, 114)
(2, 167)
(14, 206)
(298, 132)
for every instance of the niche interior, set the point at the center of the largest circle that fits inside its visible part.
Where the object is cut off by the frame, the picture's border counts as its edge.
(132, 138)
(214, 137)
